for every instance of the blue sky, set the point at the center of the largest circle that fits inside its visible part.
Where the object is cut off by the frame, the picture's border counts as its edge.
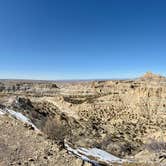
(82, 39)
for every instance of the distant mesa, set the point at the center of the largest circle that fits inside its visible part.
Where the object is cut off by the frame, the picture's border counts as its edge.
(151, 76)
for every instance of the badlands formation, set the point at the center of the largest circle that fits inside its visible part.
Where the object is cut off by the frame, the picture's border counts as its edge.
(83, 123)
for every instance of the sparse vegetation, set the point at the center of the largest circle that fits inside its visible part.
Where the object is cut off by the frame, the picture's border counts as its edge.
(115, 116)
(156, 146)
(56, 130)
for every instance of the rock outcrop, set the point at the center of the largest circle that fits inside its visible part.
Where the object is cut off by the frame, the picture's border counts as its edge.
(118, 116)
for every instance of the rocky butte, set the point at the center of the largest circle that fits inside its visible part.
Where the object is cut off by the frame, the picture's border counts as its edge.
(83, 123)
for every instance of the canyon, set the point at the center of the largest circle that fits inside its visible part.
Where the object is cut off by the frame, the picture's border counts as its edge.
(83, 123)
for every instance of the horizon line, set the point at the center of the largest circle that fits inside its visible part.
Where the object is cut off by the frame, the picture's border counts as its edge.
(59, 80)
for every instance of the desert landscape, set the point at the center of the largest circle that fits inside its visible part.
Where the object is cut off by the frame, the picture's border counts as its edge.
(82, 83)
(83, 123)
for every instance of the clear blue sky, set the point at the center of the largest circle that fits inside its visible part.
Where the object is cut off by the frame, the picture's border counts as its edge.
(82, 39)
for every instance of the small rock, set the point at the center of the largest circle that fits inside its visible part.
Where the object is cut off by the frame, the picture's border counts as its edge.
(31, 159)
(87, 164)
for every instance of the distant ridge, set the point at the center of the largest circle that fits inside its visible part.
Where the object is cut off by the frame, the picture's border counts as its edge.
(151, 76)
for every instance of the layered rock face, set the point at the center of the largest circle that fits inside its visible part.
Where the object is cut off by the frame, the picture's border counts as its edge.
(123, 117)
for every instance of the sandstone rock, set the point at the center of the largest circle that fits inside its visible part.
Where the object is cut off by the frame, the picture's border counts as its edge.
(119, 116)
(87, 164)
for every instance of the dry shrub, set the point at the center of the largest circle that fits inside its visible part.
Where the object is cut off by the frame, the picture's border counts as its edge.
(156, 146)
(56, 130)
